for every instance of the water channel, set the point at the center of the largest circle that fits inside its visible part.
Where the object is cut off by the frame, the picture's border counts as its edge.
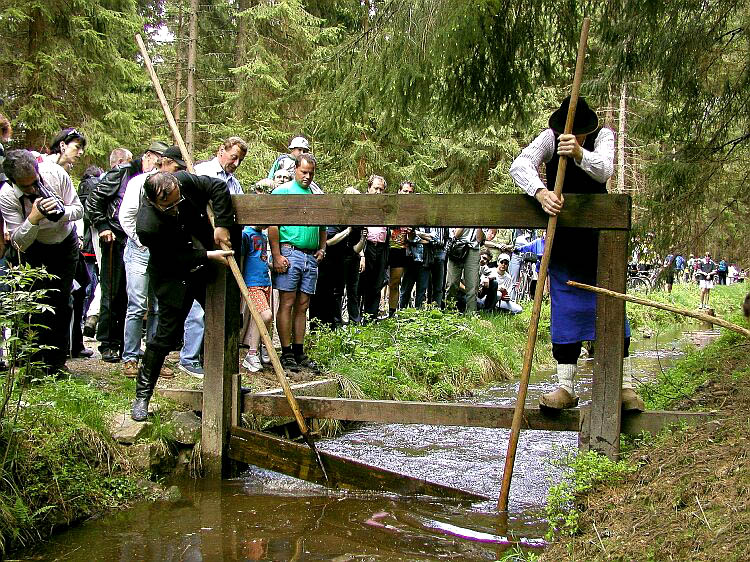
(266, 516)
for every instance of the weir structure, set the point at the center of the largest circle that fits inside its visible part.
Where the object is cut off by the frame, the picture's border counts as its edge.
(599, 425)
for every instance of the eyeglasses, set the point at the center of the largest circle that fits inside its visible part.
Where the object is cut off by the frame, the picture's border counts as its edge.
(505, 262)
(170, 207)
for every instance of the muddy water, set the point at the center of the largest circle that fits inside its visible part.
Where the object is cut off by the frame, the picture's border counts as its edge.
(265, 516)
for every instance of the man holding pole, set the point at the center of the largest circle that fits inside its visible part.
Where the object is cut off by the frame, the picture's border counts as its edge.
(172, 223)
(574, 254)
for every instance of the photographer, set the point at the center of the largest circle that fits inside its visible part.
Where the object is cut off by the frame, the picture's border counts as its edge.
(39, 206)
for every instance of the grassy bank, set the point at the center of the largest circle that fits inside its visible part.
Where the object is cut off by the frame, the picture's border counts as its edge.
(682, 495)
(428, 354)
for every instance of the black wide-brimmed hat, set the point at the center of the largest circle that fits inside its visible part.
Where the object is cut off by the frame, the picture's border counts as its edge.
(584, 123)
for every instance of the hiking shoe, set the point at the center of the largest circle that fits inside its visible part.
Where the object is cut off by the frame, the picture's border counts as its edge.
(89, 327)
(193, 368)
(252, 363)
(304, 361)
(264, 356)
(289, 362)
(130, 369)
(111, 356)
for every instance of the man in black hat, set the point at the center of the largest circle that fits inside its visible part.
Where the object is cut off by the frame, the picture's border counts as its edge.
(591, 150)
(103, 204)
(140, 292)
(172, 223)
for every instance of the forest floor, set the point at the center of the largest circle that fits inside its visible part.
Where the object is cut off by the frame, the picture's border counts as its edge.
(689, 495)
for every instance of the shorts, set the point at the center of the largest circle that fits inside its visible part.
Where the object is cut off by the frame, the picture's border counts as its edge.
(706, 284)
(397, 257)
(302, 274)
(261, 297)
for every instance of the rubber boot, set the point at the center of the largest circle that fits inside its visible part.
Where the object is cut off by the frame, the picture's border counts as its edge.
(148, 374)
(631, 402)
(563, 396)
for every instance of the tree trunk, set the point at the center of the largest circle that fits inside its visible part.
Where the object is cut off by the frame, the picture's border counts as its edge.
(242, 5)
(192, 57)
(609, 121)
(178, 67)
(621, 141)
(34, 136)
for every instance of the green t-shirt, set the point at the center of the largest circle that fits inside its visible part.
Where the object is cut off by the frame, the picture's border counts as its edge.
(303, 237)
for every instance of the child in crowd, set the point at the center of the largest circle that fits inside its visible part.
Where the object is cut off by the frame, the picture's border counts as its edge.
(256, 272)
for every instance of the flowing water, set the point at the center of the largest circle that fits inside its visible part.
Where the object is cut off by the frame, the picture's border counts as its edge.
(266, 516)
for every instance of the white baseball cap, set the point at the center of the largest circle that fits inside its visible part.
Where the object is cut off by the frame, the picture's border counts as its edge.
(299, 142)
(503, 257)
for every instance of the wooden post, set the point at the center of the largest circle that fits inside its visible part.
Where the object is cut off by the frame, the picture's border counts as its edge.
(191, 88)
(604, 419)
(221, 351)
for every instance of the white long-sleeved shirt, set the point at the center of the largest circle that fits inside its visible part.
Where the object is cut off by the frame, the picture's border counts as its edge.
(22, 233)
(213, 169)
(131, 204)
(598, 163)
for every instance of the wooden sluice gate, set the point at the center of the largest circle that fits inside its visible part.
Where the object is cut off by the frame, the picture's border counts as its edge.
(223, 401)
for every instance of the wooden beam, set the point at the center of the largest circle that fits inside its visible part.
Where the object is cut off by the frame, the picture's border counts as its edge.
(506, 211)
(221, 348)
(465, 415)
(193, 399)
(604, 425)
(287, 457)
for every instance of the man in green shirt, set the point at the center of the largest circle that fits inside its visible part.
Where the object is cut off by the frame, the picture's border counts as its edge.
(296, 252)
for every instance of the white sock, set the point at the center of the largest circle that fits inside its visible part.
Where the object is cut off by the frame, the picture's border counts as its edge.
(566, 376)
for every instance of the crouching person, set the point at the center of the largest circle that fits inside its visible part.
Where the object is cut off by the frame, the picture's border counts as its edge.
(173, 224)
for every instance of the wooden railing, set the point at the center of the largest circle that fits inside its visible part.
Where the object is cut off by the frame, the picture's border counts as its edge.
(610, 214)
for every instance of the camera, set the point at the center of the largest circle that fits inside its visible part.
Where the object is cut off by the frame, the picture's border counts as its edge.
(44, 192)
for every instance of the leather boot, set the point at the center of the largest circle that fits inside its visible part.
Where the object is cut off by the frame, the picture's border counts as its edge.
(631, 402)
(563, 396)
(148, 374)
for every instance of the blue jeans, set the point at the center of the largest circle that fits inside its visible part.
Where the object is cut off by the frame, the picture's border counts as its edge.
(302, 275)
(193, 337)
(140, 298)
(514, 269)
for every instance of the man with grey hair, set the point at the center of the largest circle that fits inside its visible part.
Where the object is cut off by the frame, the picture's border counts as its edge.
(120, 156)
(39, 206)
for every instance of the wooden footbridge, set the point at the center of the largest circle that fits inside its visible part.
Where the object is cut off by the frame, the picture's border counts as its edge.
(222, 401)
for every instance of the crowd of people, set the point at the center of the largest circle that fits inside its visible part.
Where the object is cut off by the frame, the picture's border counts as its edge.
(705, 272)
(135, 240)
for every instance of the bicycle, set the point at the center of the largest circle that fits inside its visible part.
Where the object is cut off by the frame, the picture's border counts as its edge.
(638, 281)
(526, 276)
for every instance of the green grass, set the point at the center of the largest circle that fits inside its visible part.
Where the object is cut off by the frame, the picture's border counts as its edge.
(61, 463)
(427, 354)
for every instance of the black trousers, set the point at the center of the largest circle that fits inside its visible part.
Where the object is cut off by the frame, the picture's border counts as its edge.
(568, 353)
(371, 281)
(322, 304)
(350, 283)
(61, 260)
(111, 328)
(175, 297)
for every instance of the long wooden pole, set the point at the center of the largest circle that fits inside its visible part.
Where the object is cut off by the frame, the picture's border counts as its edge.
(278, 369)
(528, 356)
(676, 309)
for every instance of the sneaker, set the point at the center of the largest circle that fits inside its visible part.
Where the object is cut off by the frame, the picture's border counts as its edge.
(166, 372)
(130, 369)
(264, 356)
(289, 362)
(304, 361)
(193, 368)
(89, 327)
(252, 363)
(111, 356)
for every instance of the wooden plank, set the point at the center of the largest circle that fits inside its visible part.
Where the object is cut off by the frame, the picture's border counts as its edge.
(287, 457)
(221, 357)
(391, 411)
(193, 399)
(506, 211)
(604, 425)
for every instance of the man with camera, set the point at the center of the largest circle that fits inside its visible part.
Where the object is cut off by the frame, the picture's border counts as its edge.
(39, 206)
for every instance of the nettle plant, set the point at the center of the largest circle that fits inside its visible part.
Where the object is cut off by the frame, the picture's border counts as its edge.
(22, 298)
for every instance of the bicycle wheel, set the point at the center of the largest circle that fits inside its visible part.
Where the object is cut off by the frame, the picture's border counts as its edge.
(638, 284)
